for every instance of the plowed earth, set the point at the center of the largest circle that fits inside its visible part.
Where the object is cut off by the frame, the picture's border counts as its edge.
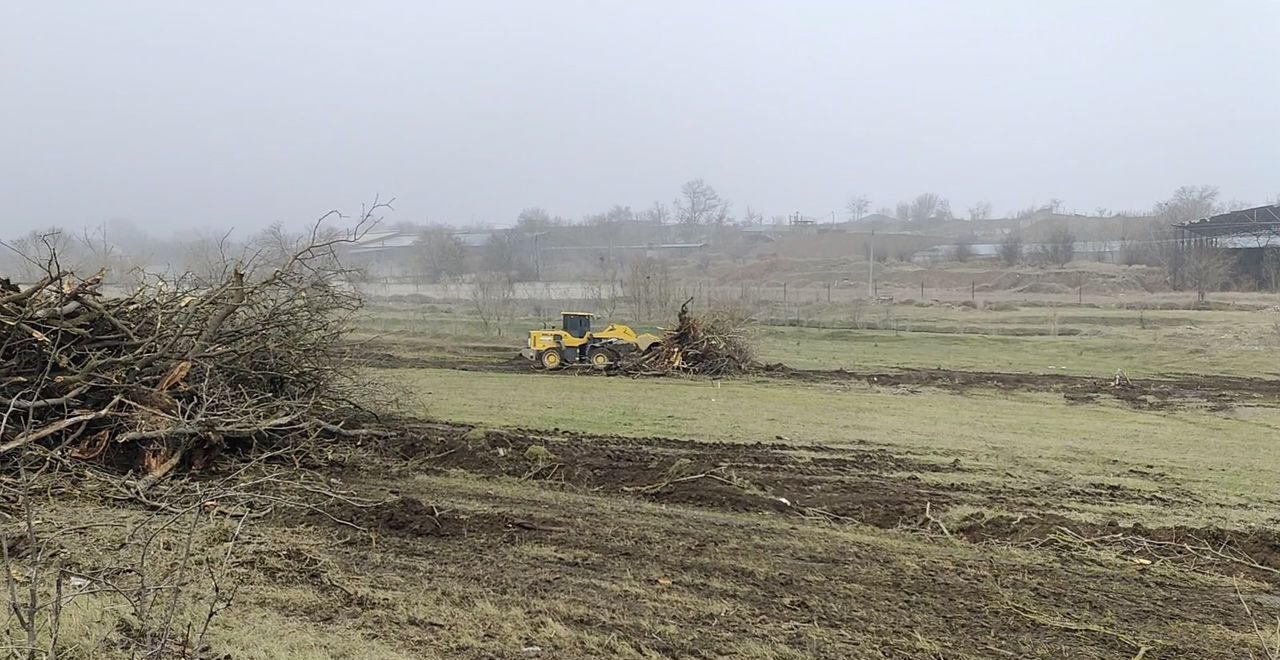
(691, 549)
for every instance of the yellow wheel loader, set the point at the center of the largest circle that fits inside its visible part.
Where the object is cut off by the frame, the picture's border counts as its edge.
(575, 343)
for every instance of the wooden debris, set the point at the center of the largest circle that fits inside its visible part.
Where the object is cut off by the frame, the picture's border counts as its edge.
(177, 368)
(714, 345)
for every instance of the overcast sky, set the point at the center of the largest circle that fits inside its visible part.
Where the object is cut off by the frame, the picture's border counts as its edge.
(177, 114)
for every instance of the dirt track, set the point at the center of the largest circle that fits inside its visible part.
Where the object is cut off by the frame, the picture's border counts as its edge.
(1214, 392)
(1175, 391)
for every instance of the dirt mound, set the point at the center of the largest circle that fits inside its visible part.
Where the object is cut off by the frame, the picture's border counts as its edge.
(1043, 287)
(404, 516)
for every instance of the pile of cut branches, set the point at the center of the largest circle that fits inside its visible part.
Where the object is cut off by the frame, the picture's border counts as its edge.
(711, 345)
(178, 369)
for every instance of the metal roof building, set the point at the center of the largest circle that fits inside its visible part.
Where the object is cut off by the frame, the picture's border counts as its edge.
(1256, 227)
(1250, 236)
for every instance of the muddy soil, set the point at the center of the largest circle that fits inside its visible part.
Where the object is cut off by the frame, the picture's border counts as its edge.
(410, 517)
(748, 544)
(841, 485)
(385, 355)
(1214, 392)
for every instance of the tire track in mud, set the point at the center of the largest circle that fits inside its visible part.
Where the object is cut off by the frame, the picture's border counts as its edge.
(1214, 392)
(829, 485)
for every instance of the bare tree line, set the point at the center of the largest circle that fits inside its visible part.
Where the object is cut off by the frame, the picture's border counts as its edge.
(442, 253)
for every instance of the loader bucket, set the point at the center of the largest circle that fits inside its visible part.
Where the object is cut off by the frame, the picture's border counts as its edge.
(644, 341)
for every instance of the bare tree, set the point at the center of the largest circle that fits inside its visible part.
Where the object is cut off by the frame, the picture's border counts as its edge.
(508, 252)
(438, 254)
(40, 249)
(944, 211)
(857, 207)
(98, 247)
(657, 214)
(491, 298)
(928, 206)
(752, 217)
(700, 204)
(902, 211)
(1188, 203)
(1206, 267)
(617, 213)
(276, 245)
(534, 219)
(1060, 248)
(209, 257)
(980, 211)
(1271, 268)
(649, 287)
(1011, 249)
(607, 288)
(963, 252)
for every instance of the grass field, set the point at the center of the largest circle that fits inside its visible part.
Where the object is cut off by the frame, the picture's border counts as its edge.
(1074, 340)
(783, 515)
(1018, 440)
(1009, 467)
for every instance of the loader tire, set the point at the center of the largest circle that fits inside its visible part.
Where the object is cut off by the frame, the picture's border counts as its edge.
(551, 359)
(601, 357)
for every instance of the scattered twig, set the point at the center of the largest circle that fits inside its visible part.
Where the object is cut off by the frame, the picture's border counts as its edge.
(1054, 622)
(928, 515)
(1271, 652)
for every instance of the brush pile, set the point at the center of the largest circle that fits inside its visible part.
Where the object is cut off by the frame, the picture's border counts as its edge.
(176, 370)
(714, 345)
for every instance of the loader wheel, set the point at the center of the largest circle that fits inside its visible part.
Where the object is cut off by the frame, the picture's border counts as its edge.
(551, 359)
(601, 358)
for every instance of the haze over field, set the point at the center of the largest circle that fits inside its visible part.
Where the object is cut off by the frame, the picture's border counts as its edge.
(217, 115)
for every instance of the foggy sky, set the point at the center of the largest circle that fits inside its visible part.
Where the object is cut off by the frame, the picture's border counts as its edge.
(240, 114)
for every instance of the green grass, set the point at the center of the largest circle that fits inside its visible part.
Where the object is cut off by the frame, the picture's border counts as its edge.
(1084, 341)
(1027, 440)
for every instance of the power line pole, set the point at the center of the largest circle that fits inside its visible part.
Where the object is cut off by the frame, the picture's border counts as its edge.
(871, 265)
(537, 258)
(537, 255)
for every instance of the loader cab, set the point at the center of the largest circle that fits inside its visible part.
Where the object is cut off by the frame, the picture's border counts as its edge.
(577, 324)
